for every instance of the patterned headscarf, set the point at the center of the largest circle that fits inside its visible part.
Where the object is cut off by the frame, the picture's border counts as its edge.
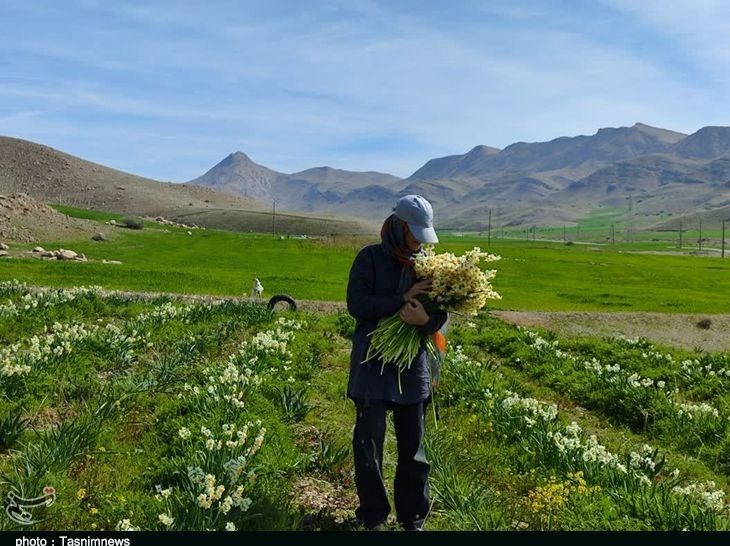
(393, 240)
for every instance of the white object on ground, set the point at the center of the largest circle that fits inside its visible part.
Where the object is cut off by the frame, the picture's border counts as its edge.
(257, 289)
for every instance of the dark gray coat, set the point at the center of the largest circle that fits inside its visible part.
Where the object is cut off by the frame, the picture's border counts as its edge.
(373, 293)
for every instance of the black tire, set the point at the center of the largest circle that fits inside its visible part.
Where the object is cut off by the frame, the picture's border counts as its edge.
(286, 299)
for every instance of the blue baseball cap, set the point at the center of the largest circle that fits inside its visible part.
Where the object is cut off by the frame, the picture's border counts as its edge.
(418, 214)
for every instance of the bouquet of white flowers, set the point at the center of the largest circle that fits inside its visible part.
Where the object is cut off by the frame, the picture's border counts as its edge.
(458, 286)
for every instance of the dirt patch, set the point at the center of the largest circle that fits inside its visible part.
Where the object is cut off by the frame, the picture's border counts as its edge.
(685, 331)
(314, 306)
(326, 505)
(25, 219)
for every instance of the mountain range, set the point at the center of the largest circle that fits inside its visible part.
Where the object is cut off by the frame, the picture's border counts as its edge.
(649, 176)
(655, 173)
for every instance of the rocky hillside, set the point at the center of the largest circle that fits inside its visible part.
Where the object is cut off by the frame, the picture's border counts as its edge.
(56, 177)
(25, 219)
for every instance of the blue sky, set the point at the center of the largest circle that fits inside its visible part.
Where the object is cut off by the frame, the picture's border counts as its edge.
(167, 89)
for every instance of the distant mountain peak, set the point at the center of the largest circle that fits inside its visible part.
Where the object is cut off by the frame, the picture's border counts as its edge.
(644, 137)
(636, 127)
(239, 156)
(719, 130)
(240, 162)
(481, 149)
(665, 135)
(707, 143)
(325, 169)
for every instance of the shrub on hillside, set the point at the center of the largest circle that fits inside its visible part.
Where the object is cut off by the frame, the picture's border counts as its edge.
(132, 222)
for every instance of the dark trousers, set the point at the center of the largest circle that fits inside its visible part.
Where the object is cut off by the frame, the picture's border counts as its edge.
(411, 492)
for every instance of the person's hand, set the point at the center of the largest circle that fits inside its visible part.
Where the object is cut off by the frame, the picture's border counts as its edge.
(421, 287)
(414, 313)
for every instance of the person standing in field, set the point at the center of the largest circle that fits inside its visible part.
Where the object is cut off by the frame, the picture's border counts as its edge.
(381, 283)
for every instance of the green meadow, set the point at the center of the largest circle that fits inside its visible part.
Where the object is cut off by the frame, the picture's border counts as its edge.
(532, 275)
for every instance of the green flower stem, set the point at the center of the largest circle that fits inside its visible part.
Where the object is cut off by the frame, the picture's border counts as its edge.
(398, 343)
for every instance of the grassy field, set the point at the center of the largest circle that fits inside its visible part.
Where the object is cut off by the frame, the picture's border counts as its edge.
(96, 215)
(532, 275)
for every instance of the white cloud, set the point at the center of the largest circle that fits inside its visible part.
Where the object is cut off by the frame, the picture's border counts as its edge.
(699, 27)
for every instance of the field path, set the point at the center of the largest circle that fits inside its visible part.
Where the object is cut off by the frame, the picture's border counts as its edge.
(675, 330)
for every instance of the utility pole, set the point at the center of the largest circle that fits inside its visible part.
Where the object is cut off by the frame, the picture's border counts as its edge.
(699, 241)
(498, 219)
(273, 220)
(680, 235)
(628, 223)
(613, 235)
(723, 239)
(489, 228)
